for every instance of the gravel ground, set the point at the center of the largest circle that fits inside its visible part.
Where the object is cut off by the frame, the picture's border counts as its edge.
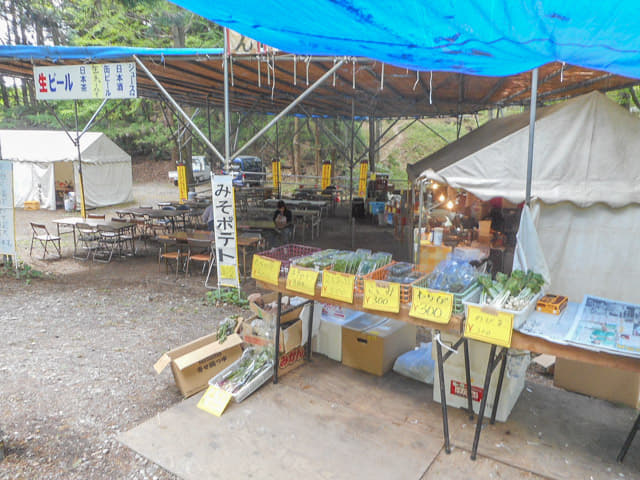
(76, 367)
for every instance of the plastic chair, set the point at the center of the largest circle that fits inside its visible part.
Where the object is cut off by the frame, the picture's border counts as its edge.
(41, 233)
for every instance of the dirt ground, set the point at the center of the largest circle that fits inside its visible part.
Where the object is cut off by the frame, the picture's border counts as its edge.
(80, 344)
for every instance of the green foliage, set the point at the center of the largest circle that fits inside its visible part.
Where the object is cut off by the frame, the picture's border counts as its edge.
(24, 272)
(232, 296)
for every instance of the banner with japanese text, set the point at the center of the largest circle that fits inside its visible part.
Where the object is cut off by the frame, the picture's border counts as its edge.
(224, 219)
(82, 82)
(7, 218)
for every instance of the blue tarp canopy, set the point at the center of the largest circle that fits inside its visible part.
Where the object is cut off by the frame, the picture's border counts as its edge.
(491, 38)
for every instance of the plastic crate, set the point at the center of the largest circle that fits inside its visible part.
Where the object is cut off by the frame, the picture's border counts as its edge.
(470, 294)
(286, 253)
(382, 274)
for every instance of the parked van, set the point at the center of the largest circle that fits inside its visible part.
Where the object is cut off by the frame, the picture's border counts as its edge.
(247, 171)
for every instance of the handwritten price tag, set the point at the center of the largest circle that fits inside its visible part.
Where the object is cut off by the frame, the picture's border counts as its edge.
(228, 272)
(382, 296)
(431, 305)
(338, 286)
(495, 328)
(265, 269)
(214, 400)
(302, 280)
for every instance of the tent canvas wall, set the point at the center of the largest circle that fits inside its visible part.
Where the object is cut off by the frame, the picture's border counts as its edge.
(586, 188)
(41, 158)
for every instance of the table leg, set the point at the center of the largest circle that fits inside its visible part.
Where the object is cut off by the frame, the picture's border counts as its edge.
(467, 372)
(483, 402)
(277, 341)
(443, 397)
(498, 389)
(310, 335)
(629, 439)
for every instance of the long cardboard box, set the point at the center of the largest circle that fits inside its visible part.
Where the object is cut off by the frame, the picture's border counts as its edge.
(194, 363)
(617, 386)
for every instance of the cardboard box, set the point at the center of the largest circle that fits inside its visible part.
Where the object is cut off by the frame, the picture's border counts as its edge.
(194, 363)
(456, 382)
(617, 386)
(291, 360)
(372, 344)
(290, 331)
(329, 339)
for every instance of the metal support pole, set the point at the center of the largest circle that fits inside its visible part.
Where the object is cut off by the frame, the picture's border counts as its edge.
(416, 247)
(310, 335)
(290, 107)
(496, 400)
(443, 396)
(467, 372)
(483, 402)
(351, 155)
(93, 117)
(277, 340)
(532, 129)
(227, 128)
(177, 107)
(629, 439)
(208, 118)
(83, 210)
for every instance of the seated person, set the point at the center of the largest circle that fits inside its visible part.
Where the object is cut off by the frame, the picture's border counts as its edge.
(207, 217)
(283, 219)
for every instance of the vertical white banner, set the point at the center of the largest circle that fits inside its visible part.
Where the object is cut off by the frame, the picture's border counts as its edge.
(7, 215)
(224, 221)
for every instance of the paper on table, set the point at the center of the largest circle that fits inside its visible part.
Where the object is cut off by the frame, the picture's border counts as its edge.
(554, 328)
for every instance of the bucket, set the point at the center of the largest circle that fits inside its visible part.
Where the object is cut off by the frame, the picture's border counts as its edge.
(438, 233)
(191, 196)
(68, 204)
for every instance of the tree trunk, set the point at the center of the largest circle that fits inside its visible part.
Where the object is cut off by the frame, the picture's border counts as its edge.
(316, 137)
(296, 147)
(5, 95)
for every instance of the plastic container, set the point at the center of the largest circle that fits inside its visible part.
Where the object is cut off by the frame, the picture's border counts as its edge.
(286, 253)
(383, 273)
(251, 386)
(438, 234)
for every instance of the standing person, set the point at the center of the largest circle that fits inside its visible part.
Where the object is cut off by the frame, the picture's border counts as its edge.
(207, 217)
(283, 219)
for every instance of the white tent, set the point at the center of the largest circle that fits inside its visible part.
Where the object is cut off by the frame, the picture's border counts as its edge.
(43, 159)
(585, 186)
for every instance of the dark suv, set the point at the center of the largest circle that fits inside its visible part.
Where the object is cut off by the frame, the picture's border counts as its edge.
(247, 171)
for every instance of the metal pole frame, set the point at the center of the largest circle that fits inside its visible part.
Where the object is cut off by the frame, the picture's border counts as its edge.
(532, 129)
(290, 107)
(227, 127)
(178, 108)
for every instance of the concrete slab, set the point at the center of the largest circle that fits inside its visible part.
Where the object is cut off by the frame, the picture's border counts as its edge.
(283, 428)
(328, 421)
(457, 466)
(560, 435)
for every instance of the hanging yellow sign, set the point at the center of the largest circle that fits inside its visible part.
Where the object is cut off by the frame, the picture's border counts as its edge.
(265, 269)
(302, 280)
(338, 286)
(489, 327)
(182, 183)
(382, 296)
(431, 305)
(362, 184)
(326, 174)
(276, 172)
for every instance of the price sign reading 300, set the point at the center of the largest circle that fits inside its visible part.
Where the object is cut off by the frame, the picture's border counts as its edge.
(431, 306)
(383, 296)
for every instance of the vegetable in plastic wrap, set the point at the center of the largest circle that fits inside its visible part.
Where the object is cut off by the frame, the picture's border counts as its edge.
(452, 275)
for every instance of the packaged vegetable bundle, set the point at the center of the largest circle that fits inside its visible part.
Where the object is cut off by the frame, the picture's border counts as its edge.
(254, 361)
(454, 274)
(373, 262)
(511, 292)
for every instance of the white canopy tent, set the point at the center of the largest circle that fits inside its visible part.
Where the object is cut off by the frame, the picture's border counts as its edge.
(585, 189)
(41, 159)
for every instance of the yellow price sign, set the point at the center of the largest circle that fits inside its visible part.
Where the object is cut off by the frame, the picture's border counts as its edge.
(228, 272)
(489, 326)
(302, 280)
(214, 400)
(382, 296)
(265, 269)
(338, 286)
(431, 305)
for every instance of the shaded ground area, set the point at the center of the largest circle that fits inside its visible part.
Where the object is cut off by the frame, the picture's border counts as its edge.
(80, 344)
